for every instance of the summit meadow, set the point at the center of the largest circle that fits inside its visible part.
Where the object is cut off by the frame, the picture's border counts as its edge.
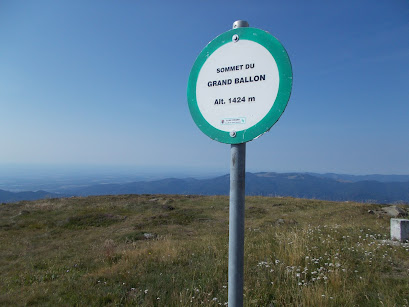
(172, 250)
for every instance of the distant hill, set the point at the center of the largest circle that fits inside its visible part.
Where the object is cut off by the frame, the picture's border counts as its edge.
(301, 185)
(266, 184)
(8, 197)
(356, 178)
(309, 186)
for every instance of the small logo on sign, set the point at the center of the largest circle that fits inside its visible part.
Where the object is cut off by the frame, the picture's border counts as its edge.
(233, 121)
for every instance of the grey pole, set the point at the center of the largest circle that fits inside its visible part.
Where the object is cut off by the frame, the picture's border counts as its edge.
(236, 216)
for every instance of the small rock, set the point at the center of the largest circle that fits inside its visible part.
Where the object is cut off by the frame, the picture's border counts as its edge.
(167, 201)
(394, 211)
(280, 222)
(371, 212)
(148, 235)
(285, 222)
(168, 207)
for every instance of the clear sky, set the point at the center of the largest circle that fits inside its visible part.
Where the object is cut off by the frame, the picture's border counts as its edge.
(104, 83)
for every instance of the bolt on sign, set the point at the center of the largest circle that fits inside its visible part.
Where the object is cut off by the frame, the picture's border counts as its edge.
(239, 85)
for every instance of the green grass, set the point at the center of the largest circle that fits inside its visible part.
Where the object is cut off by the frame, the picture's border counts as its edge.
(94, 251)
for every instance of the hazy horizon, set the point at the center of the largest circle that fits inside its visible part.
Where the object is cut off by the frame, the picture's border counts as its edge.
(68, 169)
(17, 178)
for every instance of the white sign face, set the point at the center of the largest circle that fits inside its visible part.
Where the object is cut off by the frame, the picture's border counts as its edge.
(237, 86)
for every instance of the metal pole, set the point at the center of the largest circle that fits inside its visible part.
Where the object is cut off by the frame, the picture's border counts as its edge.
(236, 224)
(236, 216)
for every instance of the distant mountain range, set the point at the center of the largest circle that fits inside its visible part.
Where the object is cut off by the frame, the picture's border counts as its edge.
(356, 178)
(8, 197)
(370, 188)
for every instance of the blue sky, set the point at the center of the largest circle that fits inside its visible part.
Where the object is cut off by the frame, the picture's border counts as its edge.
(104, 83)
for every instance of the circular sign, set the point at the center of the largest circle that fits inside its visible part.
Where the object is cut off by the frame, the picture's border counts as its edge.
(239, 85)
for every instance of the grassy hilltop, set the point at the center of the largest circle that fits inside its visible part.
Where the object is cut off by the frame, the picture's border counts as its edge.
(168, 250)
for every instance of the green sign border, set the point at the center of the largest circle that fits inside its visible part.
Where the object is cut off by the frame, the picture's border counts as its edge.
(284, 90)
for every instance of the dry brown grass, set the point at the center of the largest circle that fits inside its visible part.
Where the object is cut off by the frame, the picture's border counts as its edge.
(93, 251)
